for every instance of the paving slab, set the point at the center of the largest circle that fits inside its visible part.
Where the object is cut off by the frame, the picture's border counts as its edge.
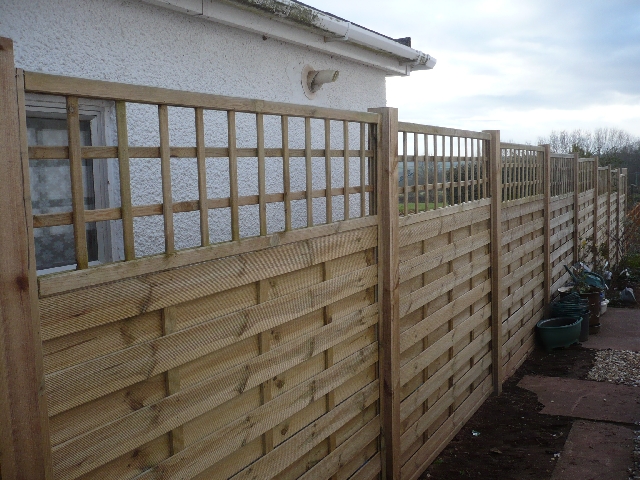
(619, 330)
(595, 451)
(585, 399)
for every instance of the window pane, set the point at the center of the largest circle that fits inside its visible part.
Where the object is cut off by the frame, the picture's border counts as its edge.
(51, 193)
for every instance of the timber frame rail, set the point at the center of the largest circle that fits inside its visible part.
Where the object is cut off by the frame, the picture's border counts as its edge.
(351, 338)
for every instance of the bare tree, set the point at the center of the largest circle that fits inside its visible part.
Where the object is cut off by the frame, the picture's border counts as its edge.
(614, 146)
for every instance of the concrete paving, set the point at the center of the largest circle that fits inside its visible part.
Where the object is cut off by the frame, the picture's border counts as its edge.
(595, 450)
(600, 443)
(585, 398)
(620, 330)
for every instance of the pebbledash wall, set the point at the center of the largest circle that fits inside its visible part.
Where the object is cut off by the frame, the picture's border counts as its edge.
(134, 42)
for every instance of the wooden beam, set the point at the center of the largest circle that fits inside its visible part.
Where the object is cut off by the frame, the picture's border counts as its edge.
(609, 212)
(25, 451)
(308, 170)
(125, 181)
(202, 177)
(595, 202)
(618, 210)
(85, 88)
(165, 170)
(546, 163)
(388, 287)
(77, 190)
(495, 168)
(576, 206)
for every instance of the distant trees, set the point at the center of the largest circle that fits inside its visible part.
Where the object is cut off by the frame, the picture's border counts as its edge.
(614, 146)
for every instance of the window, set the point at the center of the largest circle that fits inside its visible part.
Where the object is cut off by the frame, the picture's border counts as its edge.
(51, 183)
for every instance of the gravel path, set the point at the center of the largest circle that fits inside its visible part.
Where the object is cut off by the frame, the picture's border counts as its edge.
(621, 367)
(616, 366)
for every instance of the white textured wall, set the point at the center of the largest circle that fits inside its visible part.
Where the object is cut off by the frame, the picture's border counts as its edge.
(132, 42)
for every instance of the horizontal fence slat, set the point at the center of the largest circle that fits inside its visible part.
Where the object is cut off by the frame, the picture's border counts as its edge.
(444, 402)
(84, 88)
(519, 252)
(275, 461)
(519, 273)
(518, 316)
(102, 152)
(430, 215)
(65, 218)
(54, 284)
(432, 130)
(516, 233)
(520, 146)
(92, 307)
(344, 452)
(428, 229)
(511, 211)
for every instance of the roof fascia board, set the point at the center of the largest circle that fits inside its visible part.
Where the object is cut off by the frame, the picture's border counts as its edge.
(245, 19)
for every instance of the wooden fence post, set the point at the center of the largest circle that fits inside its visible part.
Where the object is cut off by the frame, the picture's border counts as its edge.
(388, 284)
(622, 190)
(24, 446)
(576, 206)
(546, 162)
(495, 166)
(609, 212)
(595, 202)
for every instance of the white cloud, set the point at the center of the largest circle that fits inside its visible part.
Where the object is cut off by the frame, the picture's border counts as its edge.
(523, 67)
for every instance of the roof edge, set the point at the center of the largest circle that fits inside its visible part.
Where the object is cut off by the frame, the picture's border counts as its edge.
(334, 31)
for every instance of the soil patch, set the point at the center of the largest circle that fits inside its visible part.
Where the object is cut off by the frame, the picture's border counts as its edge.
(514, 441)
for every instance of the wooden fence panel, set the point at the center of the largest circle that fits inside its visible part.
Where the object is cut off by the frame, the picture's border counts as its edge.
(562, 219)
(445, 331)
(257, 357)
(523, 238)
(445, 289)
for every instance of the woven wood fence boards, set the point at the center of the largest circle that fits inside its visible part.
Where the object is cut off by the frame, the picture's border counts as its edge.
(281, 350)
(444, 325)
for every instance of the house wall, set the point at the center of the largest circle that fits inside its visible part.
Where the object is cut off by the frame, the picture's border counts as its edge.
(133, 42)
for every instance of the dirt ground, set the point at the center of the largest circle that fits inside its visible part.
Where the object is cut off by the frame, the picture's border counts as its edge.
(507, 438)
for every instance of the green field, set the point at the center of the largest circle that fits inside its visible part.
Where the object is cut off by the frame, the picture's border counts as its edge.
(411, 207)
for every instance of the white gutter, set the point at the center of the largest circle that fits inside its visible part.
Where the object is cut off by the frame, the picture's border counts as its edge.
(349, 32)
(331, 30)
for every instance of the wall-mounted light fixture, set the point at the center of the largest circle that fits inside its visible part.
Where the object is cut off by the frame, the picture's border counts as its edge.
(312, 80)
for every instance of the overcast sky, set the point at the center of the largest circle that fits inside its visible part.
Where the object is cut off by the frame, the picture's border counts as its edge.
(524, 67)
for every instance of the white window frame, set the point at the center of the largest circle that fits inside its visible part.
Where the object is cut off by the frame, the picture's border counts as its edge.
(101, 115)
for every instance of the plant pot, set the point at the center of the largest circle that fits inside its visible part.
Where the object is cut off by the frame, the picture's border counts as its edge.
(594, 310)
(559, 332)
(584, 329)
